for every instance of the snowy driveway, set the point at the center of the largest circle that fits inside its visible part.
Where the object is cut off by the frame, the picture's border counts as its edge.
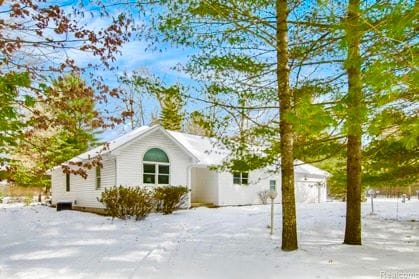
(230, 242)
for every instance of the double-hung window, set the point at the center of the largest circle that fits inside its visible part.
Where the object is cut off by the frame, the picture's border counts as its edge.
(272, 185)
(241, 178)
(156, 167)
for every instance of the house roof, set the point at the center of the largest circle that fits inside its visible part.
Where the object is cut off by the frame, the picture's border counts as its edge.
(304, 168)
(112, 145)
(206, 151)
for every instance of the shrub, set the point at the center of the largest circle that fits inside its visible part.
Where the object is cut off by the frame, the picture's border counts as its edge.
(28, 199)
(264, 196)
(122, 202)
(169, 198)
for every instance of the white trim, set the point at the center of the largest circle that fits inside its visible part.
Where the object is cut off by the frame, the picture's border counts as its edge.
(156, 164)
(128, 143)
(151, 130)
(116, 171)
(241, 178)
(181, 146)
(156, 174)
(189, 184)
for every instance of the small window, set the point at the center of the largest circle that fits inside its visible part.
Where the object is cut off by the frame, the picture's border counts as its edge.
(149, 173)
(272, 185)
(241, 178)
(98, 177)
(163, 177)
(67, 182)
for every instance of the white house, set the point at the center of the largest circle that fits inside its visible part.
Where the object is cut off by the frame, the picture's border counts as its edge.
(150, 156)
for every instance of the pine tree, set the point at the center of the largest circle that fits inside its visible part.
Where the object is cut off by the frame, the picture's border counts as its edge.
(355, 107)
(372, 42)
(237, 42)
(11, 123)
(170, 99)
(171, 116)
(199, 124)
(289, 219)
(70, 108)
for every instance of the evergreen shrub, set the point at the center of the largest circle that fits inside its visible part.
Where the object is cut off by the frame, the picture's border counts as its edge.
(169, 198)
(123, 202)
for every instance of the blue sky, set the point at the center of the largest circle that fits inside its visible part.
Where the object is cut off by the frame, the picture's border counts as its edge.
(136, 55)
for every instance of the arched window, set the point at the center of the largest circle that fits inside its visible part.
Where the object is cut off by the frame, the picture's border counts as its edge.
(156, 167)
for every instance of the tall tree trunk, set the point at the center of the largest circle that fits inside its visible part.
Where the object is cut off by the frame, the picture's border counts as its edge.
(289, 222)
(354, 122)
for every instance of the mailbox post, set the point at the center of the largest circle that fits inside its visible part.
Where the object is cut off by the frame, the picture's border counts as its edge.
(272, 196)
(372, 193)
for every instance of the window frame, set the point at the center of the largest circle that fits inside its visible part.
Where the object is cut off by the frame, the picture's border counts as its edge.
(67, 182)
(241, 178)
(157, 173)
(274, 185)
(98, 171)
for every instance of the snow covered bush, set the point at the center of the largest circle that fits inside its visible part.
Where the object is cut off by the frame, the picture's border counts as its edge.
(169, 198)
(264, 196)
(123, 202)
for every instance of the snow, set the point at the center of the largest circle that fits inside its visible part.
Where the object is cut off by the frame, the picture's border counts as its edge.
(228, 242)
(208, 151)
(114, 144)
(304, 168)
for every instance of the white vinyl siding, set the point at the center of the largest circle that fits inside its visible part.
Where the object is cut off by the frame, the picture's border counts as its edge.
(310, 189)
(130, 160)
(241, 178)
(236, 194)
(124, 166)
(83, 191)
(204, 185)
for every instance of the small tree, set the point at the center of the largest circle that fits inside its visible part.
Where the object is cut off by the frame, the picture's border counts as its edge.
(198, 124)
(69, 107)
(169, 98)
(11, 125)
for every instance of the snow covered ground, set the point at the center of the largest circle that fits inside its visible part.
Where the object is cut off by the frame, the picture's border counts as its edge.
(229, 242)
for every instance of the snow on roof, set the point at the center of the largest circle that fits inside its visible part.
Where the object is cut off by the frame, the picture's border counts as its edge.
(208, 151)
(113, 144)
(301, 167)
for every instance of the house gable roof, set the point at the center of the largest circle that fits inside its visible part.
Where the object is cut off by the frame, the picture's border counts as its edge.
(304, 168)
(113, 146)
(203, 150)
(208, 151)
